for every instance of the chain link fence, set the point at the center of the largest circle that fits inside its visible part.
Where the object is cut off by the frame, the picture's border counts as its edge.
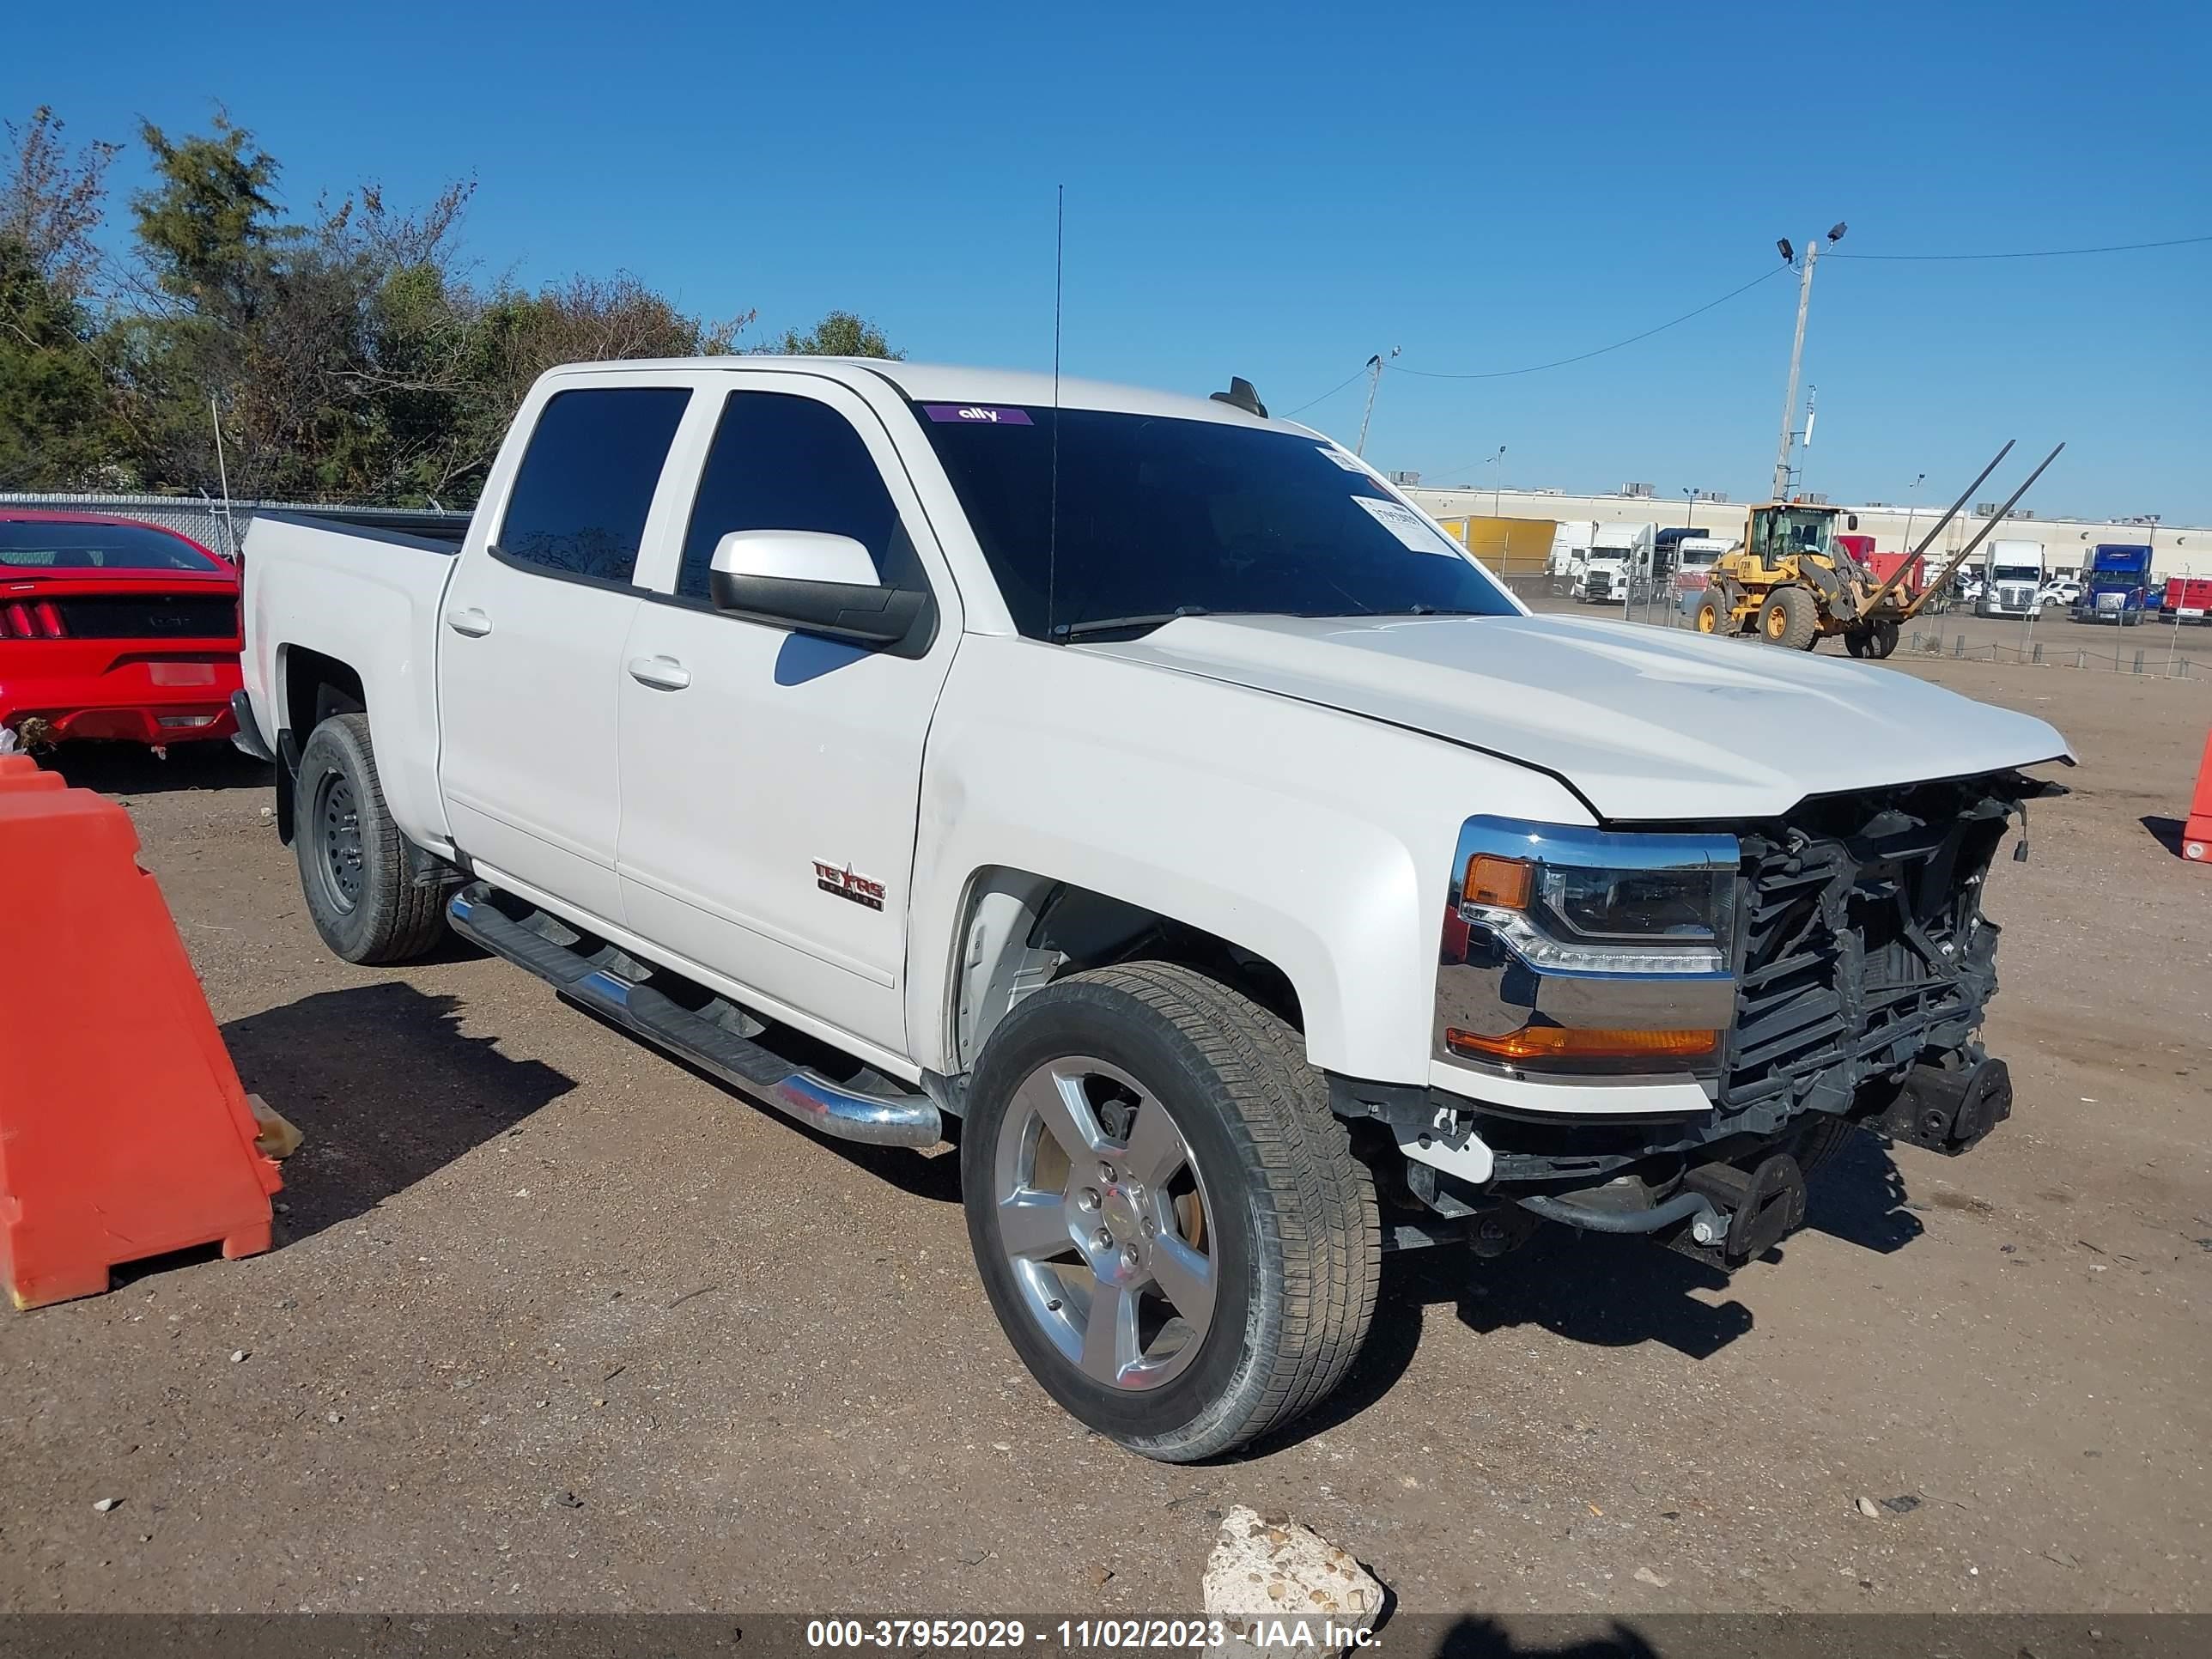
(220, 526)
(2147, 660)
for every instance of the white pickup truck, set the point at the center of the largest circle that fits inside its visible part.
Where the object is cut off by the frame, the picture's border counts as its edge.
(1142, 792)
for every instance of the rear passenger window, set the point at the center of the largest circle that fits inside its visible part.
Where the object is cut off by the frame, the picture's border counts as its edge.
(780, 462)
(586, 480)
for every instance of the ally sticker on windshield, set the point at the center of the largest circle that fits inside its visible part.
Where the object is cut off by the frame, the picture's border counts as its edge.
(977, 414)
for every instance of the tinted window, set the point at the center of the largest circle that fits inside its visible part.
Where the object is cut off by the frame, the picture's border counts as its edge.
(586, 480)
(1158, 514)
(779, 462)
(25, 543)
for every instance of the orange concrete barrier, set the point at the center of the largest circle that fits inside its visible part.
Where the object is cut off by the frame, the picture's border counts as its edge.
(124, 1132)
(2196, 833)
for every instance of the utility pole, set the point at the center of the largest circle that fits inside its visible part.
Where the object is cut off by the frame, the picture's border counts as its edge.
(1796, 351)
(1374, 380)
(222, 471)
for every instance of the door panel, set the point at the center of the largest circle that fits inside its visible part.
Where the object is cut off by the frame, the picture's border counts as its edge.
(528, 710)
(530, 642)
(769, 802)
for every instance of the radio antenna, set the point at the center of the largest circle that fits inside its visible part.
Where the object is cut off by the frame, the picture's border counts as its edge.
(1052, 528)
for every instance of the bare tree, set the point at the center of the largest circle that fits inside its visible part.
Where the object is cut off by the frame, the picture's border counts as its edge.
(52, 201)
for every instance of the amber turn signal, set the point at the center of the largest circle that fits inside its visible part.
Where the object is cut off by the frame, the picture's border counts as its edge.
(1571, 1043)
(1506, 882)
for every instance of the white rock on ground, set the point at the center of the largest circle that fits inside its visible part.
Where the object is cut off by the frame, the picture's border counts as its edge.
(1285, 1592)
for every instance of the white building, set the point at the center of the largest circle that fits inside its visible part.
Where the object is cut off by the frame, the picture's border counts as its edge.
(2176, 549)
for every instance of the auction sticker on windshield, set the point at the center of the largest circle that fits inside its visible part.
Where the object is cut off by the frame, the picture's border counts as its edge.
(1406, 525)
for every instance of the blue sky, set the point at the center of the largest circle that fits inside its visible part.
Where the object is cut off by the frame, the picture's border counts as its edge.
(1278, 190)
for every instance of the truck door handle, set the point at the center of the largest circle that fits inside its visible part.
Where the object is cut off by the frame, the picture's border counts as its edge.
(470, 622)
(663, 673)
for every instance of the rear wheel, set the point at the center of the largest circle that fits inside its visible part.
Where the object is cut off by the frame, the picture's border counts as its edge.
(1790, 619)
(353, 861)
(1168, 1220)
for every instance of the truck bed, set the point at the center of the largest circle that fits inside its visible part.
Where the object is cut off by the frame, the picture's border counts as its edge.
(365, 593)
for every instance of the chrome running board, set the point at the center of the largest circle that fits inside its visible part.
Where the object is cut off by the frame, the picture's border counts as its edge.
(716, 1036)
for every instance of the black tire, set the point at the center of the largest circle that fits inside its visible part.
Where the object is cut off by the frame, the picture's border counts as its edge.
(1820, 1138)
(1790, 619)
(1294, 1235)
(1713, 615)
(1859, 641)
(1885, 639)
(353, 862)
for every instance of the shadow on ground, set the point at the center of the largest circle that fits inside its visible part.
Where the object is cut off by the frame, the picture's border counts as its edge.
(932, 1173)
(1859, 1197)
(1597, 1289)
(129, 769)
(385, 1087)
(2166, 832)
(1472, 1638)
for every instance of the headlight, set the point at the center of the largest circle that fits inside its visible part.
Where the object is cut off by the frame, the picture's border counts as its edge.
(1587, 902)
(1581, 949)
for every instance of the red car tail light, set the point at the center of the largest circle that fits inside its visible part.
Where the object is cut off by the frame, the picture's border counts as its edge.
(41, 621)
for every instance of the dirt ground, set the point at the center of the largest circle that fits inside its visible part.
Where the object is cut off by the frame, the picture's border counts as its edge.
(555, 1324)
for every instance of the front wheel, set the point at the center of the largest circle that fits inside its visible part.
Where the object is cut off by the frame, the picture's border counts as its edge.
(1712, 615)
(1790, 617)
(1170, 1224)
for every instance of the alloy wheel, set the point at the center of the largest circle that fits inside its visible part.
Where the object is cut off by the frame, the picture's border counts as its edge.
(1102, 1216)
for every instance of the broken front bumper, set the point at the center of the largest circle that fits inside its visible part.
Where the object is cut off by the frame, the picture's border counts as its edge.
(1858, 974)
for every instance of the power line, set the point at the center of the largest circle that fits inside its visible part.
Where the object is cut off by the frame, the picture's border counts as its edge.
(2037, 253)
(1327, 395)
(1584, 357)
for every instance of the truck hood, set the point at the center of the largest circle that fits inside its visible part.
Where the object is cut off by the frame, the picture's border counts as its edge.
(1645, 723)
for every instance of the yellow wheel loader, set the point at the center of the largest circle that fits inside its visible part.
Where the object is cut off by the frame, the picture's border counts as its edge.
(1792, 582)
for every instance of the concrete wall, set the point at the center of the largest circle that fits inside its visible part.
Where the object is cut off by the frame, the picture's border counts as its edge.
(2176, 549)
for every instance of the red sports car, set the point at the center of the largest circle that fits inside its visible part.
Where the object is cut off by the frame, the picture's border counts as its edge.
(113, 629)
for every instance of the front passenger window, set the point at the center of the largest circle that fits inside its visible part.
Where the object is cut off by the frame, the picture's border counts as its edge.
(782, 462)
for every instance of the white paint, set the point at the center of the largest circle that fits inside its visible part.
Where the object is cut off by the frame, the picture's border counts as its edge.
(1650, 724)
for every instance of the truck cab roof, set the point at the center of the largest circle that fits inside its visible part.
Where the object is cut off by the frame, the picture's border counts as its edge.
(942, 383)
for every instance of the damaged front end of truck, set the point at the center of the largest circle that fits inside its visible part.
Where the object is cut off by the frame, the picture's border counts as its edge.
(1660, 1030)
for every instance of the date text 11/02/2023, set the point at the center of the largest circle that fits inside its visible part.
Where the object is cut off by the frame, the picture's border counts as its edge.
(1085, 1634)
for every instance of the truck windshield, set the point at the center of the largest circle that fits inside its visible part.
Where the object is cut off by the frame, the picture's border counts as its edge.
(2018, 572)
(1160, 517)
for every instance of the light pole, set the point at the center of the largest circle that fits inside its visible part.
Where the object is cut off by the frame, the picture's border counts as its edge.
(1911, 507)
(1797, 347)
(1496, 479)
(1374, 380)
